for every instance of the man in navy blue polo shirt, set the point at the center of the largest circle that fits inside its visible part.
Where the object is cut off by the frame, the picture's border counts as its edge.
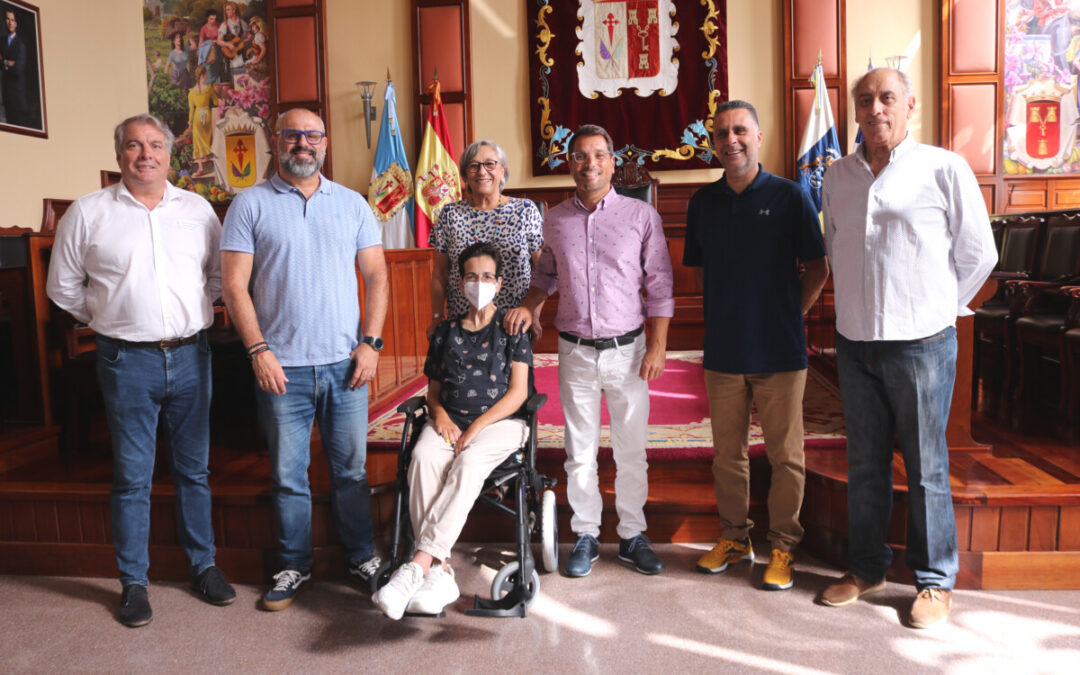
(746, 234)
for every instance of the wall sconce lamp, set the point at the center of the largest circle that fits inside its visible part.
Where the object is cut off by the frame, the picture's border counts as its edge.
(367, 90)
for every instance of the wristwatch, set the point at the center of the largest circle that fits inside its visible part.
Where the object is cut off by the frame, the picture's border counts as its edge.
(376, 342)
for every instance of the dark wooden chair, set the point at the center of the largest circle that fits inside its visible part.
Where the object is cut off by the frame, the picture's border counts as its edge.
(633, 180)
(1041, 311)
(1017, 259)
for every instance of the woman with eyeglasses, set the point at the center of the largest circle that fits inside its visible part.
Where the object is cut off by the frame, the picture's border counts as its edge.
(512, 225)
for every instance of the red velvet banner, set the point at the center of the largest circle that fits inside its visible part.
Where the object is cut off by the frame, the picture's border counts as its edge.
(649, 71)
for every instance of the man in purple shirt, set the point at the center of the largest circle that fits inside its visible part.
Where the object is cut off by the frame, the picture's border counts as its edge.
(601, 252)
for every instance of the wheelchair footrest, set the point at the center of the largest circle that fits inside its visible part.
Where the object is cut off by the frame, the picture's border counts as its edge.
(512, 604)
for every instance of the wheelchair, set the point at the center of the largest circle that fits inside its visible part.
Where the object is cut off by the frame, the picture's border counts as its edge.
(531, 505)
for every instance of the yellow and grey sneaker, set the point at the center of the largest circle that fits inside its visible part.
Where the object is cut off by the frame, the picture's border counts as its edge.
(726, 552)
(778, 573)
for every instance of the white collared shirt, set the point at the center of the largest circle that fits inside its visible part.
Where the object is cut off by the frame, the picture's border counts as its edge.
(134, 273)
(908, 248)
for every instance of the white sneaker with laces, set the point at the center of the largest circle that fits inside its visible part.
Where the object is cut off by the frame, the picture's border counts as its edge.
(394, 597)
(438, 591)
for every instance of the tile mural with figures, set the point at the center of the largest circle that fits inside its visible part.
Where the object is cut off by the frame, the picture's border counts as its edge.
(208, 78)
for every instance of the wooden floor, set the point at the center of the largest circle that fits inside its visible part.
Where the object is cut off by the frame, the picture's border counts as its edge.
(1017, 506)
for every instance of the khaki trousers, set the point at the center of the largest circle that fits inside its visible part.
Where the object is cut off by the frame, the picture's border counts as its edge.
(779, 403)
(443, 488)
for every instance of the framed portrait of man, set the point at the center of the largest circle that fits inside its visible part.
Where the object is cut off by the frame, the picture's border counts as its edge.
(22, 80)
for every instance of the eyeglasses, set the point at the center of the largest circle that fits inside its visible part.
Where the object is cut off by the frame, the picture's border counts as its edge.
(293, 136)
(474, 167)
(486, 276)
(580, 157)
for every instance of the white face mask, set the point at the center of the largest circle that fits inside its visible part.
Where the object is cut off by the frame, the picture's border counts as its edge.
(480, 293)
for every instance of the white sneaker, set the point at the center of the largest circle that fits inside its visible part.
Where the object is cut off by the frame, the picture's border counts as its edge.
(394, 597)
(438, 591)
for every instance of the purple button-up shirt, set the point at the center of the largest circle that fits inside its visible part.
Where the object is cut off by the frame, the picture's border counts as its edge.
(601, 261)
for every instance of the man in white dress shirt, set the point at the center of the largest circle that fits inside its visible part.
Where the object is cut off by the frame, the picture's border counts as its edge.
(138, 262)
(910, 244)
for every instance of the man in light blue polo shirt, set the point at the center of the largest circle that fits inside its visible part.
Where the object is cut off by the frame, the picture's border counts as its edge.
(297, 240)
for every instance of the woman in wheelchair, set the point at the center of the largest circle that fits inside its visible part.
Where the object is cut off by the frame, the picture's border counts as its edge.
(477, 381)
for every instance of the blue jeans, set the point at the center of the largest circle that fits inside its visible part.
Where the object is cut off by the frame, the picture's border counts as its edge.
(139, 384)
(900, 389)
(319, 393)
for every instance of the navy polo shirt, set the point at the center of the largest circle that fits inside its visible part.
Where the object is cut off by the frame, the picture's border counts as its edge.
(750, 245)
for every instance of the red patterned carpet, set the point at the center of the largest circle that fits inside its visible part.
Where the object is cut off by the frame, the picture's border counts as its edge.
(679, 416)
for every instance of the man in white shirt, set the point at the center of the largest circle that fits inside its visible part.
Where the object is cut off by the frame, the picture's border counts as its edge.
(909, 240)
(138, 262)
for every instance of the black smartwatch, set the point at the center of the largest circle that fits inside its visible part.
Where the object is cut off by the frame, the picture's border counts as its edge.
(376, 342)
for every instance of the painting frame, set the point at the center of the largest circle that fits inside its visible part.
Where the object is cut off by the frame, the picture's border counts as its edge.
(22, 86)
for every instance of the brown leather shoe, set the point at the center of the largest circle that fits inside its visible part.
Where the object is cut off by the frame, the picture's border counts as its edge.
(849, 589)
(931, 606)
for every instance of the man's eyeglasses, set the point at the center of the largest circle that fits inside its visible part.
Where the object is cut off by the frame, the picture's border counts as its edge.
(474, 167)
(486, 276)
(580, 157)
(293, 136)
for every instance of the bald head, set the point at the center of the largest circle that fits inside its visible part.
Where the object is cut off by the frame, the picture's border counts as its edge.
(297, 155)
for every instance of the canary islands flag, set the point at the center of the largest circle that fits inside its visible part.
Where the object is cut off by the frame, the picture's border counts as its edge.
(820, 146)
(437, 179)
(391, 189)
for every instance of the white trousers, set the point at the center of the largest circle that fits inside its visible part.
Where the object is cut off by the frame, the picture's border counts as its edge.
(584, 374)
(443, 488)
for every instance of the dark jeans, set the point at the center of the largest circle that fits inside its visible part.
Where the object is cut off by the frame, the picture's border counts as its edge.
(323, 393)
(900, 389)
(139, 383)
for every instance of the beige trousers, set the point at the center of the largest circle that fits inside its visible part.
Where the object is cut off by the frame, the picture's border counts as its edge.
(779, 404)
(443, 488)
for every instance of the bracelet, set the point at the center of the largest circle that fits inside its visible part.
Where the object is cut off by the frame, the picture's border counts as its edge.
(251, 348)
(255, 352)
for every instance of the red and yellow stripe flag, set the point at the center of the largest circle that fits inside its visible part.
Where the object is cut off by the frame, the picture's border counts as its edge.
(437, 180)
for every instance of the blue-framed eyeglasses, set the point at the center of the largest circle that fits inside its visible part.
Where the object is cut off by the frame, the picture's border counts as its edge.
(314, 137)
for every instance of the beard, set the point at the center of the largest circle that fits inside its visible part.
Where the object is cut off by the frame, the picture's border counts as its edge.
(300, 167)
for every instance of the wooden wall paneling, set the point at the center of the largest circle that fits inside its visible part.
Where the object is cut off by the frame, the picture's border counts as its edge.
(300, 78)
(1013, 535)
(963, 527)
(1024, 194)
(442, 39)
(1069, 528)
(811, 26)
(1066, 193)
(973, 125)
(1042, 528)
(984, 529)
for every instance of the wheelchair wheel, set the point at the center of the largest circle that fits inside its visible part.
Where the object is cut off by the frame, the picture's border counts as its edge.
(549, 532)
(382, 575)
(506, 579)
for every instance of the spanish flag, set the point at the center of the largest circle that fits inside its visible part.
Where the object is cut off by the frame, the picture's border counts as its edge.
(437, 180)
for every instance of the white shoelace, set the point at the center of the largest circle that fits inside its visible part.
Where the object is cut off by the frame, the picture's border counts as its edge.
(285, 579)
(370, 567)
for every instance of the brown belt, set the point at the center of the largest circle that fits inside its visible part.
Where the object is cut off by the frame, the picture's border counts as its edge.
(168, 343)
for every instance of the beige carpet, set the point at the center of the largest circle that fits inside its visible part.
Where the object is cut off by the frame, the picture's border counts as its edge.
(614, 620)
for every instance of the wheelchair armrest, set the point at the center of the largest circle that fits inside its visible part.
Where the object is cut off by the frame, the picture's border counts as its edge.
(535, 402)
(409, 407)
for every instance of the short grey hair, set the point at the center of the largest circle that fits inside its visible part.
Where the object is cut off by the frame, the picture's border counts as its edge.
(905, 80)
(470, 154)
(591, 130)
(143, 118)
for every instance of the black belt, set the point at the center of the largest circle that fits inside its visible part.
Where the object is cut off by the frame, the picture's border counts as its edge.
(168, 343)
(604, 343)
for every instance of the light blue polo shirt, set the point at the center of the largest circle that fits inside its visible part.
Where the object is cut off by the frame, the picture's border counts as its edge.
(304, 271)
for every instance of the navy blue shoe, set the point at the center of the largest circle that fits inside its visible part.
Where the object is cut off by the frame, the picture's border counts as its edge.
(636, 553)
(586, 552)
